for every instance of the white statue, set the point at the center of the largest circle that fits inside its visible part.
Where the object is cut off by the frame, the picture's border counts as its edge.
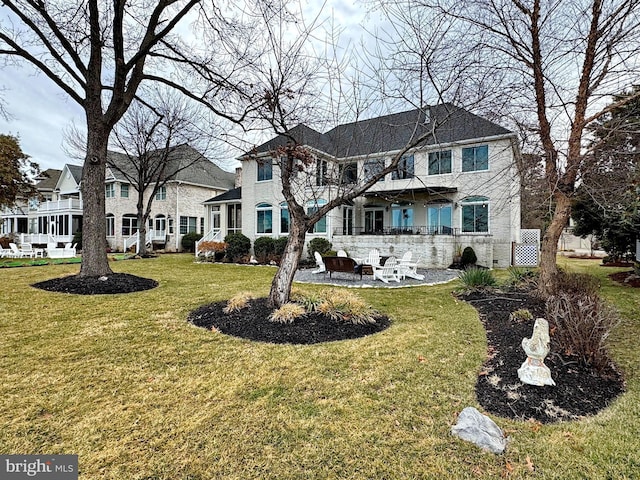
(533, 371)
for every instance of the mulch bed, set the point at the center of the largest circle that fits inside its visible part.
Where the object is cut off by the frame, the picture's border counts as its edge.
(253, 323)
(630, 279)
(579, 390)
(97, 285)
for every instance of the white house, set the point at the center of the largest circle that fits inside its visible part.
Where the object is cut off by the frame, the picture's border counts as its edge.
(457, 188)
(176, 210)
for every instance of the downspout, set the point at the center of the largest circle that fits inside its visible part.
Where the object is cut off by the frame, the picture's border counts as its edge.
(176, 227)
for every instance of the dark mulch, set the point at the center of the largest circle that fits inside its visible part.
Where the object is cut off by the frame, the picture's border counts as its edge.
(629, 279)
(253, 323)
(104, 285)
(579, 390)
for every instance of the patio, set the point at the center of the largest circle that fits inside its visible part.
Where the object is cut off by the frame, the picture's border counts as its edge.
(432, 276)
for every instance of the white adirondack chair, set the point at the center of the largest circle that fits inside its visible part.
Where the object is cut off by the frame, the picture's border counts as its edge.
(407, 268)
(320, 264)
(374, 258)
(342, 253)
(387, 272)
(16, 252)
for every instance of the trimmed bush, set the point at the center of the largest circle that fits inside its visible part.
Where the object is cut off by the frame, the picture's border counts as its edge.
(263, 247)
(279, 245)
(581, 326)
(469, 257)
(189, 240)
(320, 245)
(347, 307)
(477, 277)
(239, 246)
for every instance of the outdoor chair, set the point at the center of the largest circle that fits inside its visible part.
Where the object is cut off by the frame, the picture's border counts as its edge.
(70, 250)
(342, 253)
(374, 258)
(27, 250)
(387, 272)
(16, 252)
(407, 268)
(320, 263)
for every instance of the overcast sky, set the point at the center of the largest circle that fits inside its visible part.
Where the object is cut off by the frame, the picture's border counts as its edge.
(41, 111)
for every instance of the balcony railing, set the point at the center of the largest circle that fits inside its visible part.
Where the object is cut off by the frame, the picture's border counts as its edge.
(414, 230)
(57, 205)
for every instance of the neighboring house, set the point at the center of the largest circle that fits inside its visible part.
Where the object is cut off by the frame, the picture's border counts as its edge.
(177, 207)
(459, 187)
(176, 210)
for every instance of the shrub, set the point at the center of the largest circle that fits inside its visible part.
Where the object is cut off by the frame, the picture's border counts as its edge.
(477, 277)
(347, 307)
(189, 240)
(262, 248)
(287, 313)
(279, 245)
(238, 246)
(578, 284)
(239, 301)
(581, 326)
(320, 245)
(469, 257)
(522, 315)
(212, 251)
(309, 300)
(77, 238)
(519, 275)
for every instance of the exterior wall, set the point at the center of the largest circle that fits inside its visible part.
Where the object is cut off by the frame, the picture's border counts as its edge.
(499, 184)
(181, 200)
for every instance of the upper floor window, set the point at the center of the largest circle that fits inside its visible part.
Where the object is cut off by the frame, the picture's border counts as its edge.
(405, 168)
(440, 162)
(161, 194)
(109, 190)
(373, 167)
(124, 190)
(475, 158)
(265, 170)
(322, 168)
(321, 225)
(348, 173)
(475, 215)
(284, 218)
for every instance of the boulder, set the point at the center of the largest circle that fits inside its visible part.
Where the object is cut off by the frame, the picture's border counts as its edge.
(479, 429)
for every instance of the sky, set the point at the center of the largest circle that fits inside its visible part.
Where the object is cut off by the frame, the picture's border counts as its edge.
(40, 112)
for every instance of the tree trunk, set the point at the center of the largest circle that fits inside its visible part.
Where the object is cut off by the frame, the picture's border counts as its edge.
(94, 233)
(142, 228)
(548, 281)
(281, 285)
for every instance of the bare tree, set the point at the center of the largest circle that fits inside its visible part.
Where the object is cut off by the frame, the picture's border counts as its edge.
(559, 60)
(303, 86)
(100, 52)
(149, 137)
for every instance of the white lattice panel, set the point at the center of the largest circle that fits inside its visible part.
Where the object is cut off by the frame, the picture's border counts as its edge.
(525, 255)
(531, 236)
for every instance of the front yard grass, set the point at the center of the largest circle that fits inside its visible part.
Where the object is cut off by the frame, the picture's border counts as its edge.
(138, 393)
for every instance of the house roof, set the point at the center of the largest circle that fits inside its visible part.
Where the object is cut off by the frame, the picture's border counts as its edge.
(443, 123)
(229, 195)
(184, 164)
(48, 179)
(76, 171)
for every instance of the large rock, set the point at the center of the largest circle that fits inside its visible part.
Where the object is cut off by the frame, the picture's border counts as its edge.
(479, 429)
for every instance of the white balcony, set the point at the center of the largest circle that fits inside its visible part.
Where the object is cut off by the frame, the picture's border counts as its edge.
(68, 204)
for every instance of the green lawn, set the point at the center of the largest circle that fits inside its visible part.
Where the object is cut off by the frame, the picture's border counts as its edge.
(124, 382)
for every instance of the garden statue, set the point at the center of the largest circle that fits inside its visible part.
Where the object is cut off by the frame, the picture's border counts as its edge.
(533, 371)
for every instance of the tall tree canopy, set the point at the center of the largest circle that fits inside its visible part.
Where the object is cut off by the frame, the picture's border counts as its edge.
(99, 52)
(16, 172)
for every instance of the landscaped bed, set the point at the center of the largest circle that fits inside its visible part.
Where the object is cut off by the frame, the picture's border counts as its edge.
(125, 382)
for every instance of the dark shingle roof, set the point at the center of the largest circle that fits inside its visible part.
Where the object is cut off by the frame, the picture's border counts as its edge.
(76, 171)
(447, 123)
(48, 179)
(233, 194)
(200, 170)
